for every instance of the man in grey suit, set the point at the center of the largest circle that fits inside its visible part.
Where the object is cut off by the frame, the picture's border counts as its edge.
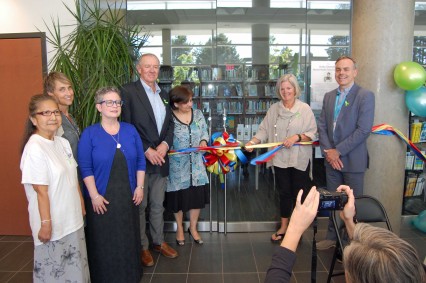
(344, 125)
(146, 106)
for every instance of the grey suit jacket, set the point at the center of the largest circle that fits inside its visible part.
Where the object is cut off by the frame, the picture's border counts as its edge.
(353, 126)
(138, 111)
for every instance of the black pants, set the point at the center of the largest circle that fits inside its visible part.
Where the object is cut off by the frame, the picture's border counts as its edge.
(289, 181)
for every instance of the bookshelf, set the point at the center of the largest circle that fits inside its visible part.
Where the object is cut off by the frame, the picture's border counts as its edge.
(415, 175)
(244, 92)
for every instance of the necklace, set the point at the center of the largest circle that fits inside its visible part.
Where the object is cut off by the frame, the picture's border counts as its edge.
(112, 136)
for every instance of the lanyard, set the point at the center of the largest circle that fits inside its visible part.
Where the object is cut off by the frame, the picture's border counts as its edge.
(338, 106)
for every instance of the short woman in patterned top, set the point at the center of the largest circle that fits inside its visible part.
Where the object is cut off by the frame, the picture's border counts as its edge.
(186, 187)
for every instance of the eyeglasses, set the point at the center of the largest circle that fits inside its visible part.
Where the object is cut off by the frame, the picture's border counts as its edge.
(49, 113)
(110, 103)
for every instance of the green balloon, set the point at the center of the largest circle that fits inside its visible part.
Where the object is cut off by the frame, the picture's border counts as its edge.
(409, 75)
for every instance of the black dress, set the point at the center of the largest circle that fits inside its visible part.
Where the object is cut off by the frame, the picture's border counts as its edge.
(113, 238)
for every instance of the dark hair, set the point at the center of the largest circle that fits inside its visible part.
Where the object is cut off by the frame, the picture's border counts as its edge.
(52, 78)
(179, 94)
(99, 95)
(32, 108)
(346, 57)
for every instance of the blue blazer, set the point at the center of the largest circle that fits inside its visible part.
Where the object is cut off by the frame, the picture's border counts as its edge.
(353, 126)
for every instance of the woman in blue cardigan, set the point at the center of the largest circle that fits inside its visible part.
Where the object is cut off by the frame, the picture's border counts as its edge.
(112, 165)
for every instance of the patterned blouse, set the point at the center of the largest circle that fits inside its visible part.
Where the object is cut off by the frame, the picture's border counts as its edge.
(188, 169)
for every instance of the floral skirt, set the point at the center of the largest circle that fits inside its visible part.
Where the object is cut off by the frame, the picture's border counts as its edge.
(64, 260)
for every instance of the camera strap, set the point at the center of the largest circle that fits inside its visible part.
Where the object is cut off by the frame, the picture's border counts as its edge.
(314, 253)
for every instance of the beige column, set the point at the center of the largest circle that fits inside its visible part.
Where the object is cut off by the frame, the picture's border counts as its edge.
(382, 37)
(167, 46)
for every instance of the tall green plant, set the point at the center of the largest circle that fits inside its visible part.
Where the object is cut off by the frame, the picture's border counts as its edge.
(100, 51)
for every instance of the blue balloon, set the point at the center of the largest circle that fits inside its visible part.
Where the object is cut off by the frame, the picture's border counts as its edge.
(416, 101)
(420, 221)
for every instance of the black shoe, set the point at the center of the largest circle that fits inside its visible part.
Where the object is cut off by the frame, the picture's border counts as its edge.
(180, 242)
(199, 241)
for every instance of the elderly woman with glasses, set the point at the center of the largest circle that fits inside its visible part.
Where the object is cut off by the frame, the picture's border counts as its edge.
(55, 204)
(112, 165)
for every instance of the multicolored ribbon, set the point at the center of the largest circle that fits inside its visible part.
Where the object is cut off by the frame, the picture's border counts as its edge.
(224, 153)
(222, 156)
(267, 156)
(388, 130)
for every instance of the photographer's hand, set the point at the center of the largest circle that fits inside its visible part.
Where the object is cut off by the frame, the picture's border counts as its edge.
(302, 217)
(348, 213)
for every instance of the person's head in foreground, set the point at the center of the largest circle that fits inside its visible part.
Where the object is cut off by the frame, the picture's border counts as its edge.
(378, 255)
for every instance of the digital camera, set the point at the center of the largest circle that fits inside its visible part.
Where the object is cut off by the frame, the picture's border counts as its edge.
(331, 200)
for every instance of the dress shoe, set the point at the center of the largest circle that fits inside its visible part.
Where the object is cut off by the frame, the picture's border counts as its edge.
(146, 258)
(166, 250)
(199, 241)
(180, 242)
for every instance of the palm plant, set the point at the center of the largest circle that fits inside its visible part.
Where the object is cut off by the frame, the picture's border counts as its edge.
(100, 51)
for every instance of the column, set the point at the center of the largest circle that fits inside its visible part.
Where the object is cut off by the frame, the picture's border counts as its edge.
(167, 46)
(260, 43)
(381, 39)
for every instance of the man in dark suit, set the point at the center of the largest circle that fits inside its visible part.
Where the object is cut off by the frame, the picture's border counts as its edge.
(344, 125)
(146, 106)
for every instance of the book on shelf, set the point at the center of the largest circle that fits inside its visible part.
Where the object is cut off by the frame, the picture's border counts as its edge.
(247, 132)
(240, 132)
(166, 73)
(423, 133)
(409, 160)
(416, 128)
(252, 90)
(227, 90)
(230, 122)
(410, 185)
(270, 90)
(420, 184)
(217, 74)
(239, 89)
(254, 129)
(418, 163)
(206, 107)
(414, 185)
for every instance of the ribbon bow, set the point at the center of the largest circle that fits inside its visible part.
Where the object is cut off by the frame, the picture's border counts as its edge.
(223, 159)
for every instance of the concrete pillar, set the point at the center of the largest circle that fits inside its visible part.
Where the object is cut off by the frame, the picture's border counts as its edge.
(381, 39)
(167, 46)
(260, 43)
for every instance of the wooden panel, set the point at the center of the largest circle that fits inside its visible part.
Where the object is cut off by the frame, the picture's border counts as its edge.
(22, 61)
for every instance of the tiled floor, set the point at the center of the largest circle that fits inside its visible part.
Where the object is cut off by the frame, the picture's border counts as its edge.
(236, 257)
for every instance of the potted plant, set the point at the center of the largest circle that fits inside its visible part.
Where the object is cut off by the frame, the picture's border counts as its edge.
(100, 51)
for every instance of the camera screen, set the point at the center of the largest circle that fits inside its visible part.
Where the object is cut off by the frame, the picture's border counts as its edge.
(327, 204)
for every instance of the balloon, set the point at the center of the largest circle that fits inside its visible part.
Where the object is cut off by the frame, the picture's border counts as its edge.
(420, 221)
(416, 101)
(409, 75)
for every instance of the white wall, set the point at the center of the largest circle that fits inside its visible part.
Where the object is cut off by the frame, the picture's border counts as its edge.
(23, 16)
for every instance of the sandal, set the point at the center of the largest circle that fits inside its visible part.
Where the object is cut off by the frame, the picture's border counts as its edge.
(278, 238)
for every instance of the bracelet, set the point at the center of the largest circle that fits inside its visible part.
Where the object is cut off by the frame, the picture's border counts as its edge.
(45, 221)
(142, 187)
(300, 138)
(96, 197)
